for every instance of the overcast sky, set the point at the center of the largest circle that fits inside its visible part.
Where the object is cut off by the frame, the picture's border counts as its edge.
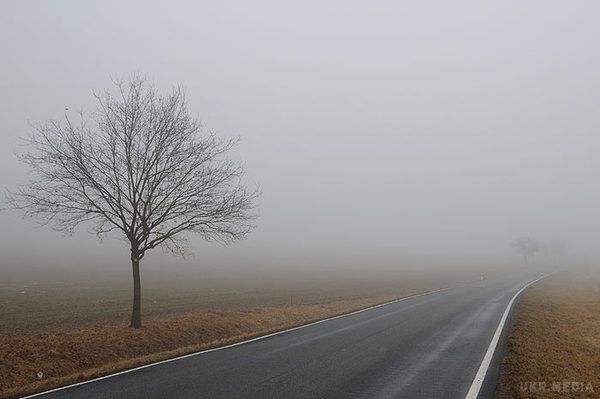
(387, 129)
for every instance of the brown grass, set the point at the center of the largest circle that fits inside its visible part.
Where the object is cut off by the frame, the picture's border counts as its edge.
(70, 355)
(555, 340)
(72, 327)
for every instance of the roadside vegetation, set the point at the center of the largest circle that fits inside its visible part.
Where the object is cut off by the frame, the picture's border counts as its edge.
(44, 359)
(139, 166)
(554, 348)
(52, 335)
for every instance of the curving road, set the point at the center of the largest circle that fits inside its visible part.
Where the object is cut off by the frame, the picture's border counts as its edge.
(429, 346)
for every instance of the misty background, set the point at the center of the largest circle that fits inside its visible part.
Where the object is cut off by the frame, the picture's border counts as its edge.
(382, 133)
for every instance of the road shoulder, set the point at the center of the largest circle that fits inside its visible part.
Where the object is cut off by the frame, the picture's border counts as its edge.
(553, 350)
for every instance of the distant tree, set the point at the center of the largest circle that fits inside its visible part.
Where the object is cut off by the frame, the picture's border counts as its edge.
(138, 165)
(527, 247)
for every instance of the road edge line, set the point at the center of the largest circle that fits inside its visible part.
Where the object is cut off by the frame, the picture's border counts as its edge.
(487, 359)
(261, 337)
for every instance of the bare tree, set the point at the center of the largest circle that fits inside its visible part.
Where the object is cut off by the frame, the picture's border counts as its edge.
(141, 166)
(527, 247)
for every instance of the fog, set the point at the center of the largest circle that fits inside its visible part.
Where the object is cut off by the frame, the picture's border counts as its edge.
(381, 133)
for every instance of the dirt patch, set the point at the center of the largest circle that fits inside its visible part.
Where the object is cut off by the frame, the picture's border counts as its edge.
(554, 348)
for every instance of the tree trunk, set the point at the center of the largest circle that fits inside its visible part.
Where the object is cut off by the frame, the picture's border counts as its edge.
(136, 315)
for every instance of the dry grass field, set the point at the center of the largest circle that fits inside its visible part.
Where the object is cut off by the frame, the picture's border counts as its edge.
(554, 348)
(65, 356)
(72, 330)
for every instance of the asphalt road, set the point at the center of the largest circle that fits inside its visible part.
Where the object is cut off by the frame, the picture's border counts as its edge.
(430, 346)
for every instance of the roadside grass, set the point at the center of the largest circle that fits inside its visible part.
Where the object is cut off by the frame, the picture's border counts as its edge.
(69, 300)
(68, 356)
(554, 347)
(68, 353)
(53, 333)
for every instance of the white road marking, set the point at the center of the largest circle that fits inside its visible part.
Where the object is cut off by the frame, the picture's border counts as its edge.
(234, 344)
(487, 359)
